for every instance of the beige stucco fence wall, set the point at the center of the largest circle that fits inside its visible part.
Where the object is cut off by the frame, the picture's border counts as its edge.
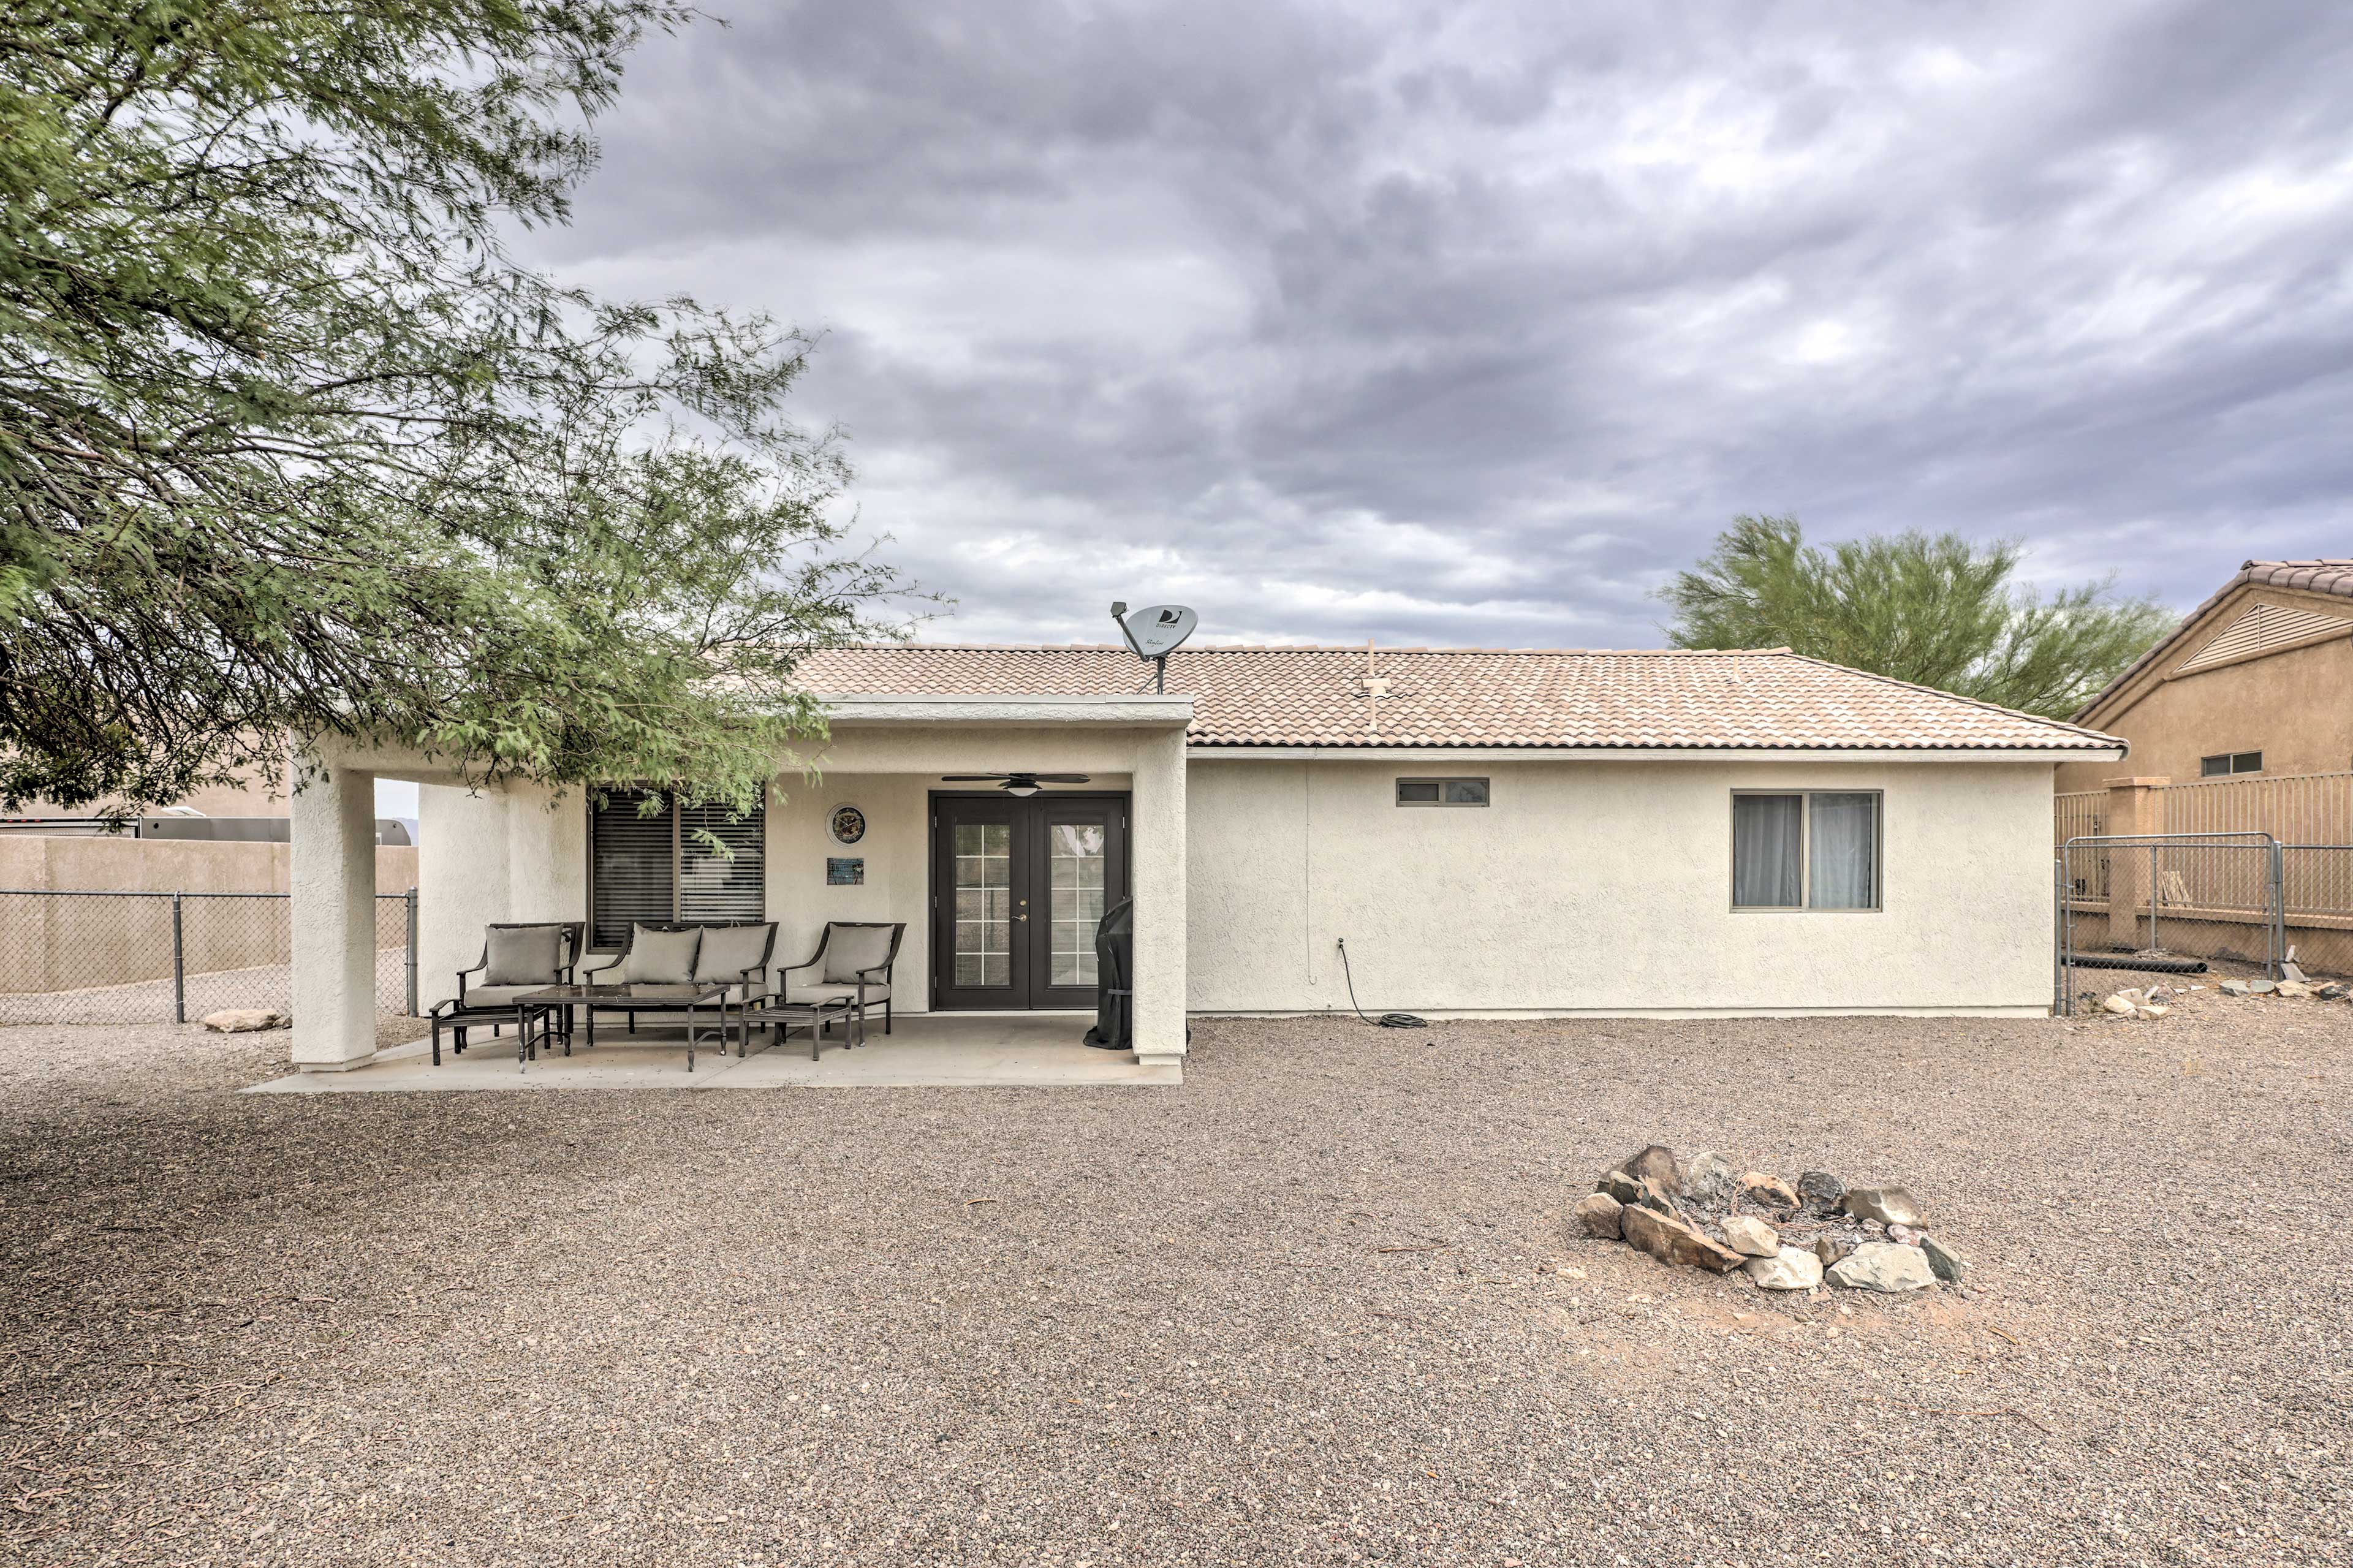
(2311, 815)
(57, 944)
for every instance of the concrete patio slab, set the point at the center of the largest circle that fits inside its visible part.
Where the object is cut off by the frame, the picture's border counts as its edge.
(933, 1051)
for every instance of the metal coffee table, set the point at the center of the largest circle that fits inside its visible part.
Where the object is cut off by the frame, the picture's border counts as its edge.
(595, 999)
(783, 1018)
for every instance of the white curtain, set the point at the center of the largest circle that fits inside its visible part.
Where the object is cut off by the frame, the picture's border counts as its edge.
(1766, 833)
(1844, 851)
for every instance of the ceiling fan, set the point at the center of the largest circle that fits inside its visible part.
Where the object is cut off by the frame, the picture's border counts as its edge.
(1023, 785)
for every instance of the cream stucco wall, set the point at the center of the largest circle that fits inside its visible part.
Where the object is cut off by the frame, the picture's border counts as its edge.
(1605, 887)
(1586, 886)
(519, 853)
(896, 851)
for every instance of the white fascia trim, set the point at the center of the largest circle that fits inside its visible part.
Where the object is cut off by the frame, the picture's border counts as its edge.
(1142, 709)
(1652, 755)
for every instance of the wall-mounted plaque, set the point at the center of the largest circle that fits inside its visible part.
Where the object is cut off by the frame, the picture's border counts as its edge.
(845, 871)
(847, 823)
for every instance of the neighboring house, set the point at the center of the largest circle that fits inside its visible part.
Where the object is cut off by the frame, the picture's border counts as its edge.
(2258, 679)
(1685, 834)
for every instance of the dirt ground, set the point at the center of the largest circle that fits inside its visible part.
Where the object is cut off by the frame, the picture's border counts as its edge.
(1319, 1305)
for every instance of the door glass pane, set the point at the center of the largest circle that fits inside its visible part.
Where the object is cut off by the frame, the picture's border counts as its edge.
(1075, 866)
(984, 898)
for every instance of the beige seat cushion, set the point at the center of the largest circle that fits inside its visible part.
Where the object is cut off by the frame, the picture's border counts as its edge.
(661, 957)
(517, 955)
(813, 994)
(849, 949)
(728, 951)
(501, 996)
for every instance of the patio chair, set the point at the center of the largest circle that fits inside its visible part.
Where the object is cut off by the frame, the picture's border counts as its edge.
(733, 953)
(518, 957)
(853, 958)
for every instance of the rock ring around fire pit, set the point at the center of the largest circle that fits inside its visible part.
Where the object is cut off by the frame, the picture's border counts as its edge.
(1698, 1212)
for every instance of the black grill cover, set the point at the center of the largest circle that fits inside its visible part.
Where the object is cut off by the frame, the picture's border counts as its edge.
(1115, 1027)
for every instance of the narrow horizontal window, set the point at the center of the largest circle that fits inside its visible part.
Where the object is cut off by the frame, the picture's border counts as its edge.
(1805, 850)
(2231, 763)
(1441, 791)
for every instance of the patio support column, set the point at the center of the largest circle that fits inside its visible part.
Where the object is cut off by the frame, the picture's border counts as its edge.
(332, 828)
(1157, 870)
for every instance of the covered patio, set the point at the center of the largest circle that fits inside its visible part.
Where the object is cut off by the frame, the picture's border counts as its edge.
(521, 852)
(969, 1050)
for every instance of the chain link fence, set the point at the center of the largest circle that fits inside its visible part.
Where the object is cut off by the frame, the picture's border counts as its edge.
(2122, 898)
(164, 958)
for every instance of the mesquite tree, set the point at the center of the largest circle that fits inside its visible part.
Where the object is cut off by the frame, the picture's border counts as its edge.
(289, 444)
(1933, 609)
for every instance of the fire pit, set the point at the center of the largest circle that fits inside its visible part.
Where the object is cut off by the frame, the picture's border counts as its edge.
(1785, 1236)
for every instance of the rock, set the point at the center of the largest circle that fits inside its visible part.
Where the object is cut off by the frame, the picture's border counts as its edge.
(1888, 1206)
(1768, 1192)
(2293, 988)
(1790, 1268)
(1828, 1249)
(1709, 1181)
(1597, 1212)
(244, 1020)
(2155, 1012)
(2259, 987)
(2118, 1003)
(1904, 1234)
(1655, 1162)
(1751, 1236)
(1820, 1190)
(1671, 1241)
(1617, 1184)
(1946, 1263)
(2333, 992)
(1883, 1266)
(2232, 988)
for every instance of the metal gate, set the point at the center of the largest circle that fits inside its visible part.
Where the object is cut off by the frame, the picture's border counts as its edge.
(2133, 887)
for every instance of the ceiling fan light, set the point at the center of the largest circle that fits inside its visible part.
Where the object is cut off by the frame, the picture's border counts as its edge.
(1025, 788)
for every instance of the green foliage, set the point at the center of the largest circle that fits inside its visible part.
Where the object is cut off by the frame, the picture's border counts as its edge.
(288, 444)
(1933, 609)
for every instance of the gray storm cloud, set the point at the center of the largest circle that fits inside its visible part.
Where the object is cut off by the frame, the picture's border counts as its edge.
(1466, 325)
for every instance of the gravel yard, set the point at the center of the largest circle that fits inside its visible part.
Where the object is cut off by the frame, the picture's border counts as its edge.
(1319, 1305)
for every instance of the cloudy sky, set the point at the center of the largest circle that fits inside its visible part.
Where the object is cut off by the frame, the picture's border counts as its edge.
(1467, 323)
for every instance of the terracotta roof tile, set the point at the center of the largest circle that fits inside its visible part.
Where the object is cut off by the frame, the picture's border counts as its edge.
(1469, 697)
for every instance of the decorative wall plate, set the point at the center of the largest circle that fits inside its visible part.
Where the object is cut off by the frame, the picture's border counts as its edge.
(848, 824)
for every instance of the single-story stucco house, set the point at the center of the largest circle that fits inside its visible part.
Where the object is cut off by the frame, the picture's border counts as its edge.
(1493, 833)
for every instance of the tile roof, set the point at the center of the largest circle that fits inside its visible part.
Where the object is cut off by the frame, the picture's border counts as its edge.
(1474, 697)
(2324, 576)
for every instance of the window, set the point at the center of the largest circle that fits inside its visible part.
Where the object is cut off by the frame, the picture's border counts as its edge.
(2231, 763)
(1441, 791)
(658, 869)
(1805, 851)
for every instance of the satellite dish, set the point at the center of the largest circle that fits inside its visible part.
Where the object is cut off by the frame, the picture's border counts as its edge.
(1155, 630)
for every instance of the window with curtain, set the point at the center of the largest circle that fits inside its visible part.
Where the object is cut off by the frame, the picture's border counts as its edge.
(655, 869)
(1810, 850)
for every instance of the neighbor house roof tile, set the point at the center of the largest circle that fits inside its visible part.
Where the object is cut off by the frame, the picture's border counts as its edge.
(2324, 577)
(1470, 697)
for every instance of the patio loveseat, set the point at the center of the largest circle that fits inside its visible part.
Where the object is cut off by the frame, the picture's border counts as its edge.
(683, 956)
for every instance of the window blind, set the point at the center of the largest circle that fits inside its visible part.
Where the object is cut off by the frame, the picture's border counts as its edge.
(632, 868)
(656, 869)
(733, 886)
